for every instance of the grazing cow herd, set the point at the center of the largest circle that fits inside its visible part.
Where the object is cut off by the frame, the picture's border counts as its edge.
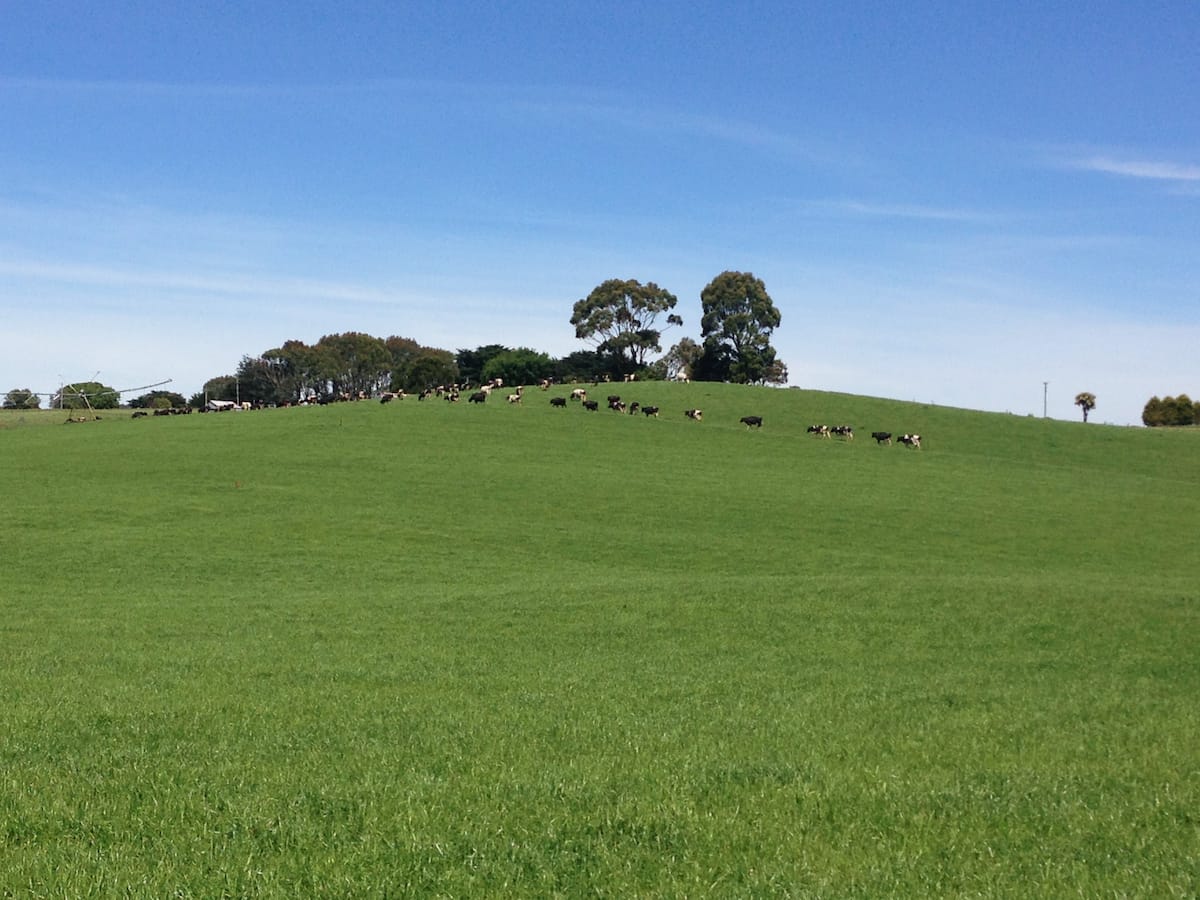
(452, 393)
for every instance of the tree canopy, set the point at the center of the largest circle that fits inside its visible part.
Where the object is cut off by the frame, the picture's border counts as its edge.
(737, 320)
(88, 394)
(22, 398)
(520, 366)
(429, 368)
(158, 400)
(471, 363)
(1171, 411)
(1086, 402)
(582, 365)
(682, 358)
(355, 363)
(619, 317)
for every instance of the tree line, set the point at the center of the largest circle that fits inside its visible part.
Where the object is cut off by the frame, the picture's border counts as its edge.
(1170, 411)
(620, 318)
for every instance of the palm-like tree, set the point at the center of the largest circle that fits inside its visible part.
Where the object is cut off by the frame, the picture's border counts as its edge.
(1086, 402)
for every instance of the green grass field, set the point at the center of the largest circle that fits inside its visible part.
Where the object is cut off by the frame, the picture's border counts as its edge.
(426, 649)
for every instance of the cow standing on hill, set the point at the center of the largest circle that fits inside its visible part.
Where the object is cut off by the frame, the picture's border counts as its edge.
(751, 421)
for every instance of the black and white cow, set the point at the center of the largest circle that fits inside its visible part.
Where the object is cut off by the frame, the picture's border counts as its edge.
(882, 437)
(843, 431)
(696, 414)
(751, 421)
(616, 405)
(591, 405)
(579, 394)
(478, 397)
(910, 440)
(648, 411)
(819, 430)
(558, 401)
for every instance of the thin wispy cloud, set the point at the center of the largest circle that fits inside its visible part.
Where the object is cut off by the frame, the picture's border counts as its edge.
(98, 276)
(910, 211)
(555, 101)
(1150, 169)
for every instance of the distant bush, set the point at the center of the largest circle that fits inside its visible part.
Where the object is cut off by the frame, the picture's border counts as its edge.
(88, 394)
(157, 400)
(21, 398)
(1170, 411)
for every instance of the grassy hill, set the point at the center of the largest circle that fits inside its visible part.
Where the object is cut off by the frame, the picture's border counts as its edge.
(423, 648)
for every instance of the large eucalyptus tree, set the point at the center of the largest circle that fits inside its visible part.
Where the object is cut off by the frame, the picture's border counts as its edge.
(737, 318)
(620, 317)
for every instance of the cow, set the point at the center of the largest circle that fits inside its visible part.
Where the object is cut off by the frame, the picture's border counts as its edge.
(616, 406)
(882, 437)
(634, 407)
(696, 414)
(751, 421)
(514, 398)
(140, 414)
(819, 430)
(591, 405)
(910, 440)
(558, 401)
(613, 398)
(649, 411)
(844, 431)
(579, 394)
(478, 397)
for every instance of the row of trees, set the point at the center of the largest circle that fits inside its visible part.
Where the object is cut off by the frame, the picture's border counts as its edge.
(619, 317)
(354, 363)
(1170, 411)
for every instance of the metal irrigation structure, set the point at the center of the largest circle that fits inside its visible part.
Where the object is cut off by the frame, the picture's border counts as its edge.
(66, 391)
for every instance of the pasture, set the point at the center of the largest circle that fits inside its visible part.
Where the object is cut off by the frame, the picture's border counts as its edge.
(424, 649)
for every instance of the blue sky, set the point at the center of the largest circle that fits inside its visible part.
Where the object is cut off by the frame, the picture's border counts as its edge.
(949, 202)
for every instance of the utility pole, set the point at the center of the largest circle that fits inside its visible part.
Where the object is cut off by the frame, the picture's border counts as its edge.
(1045, 389)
